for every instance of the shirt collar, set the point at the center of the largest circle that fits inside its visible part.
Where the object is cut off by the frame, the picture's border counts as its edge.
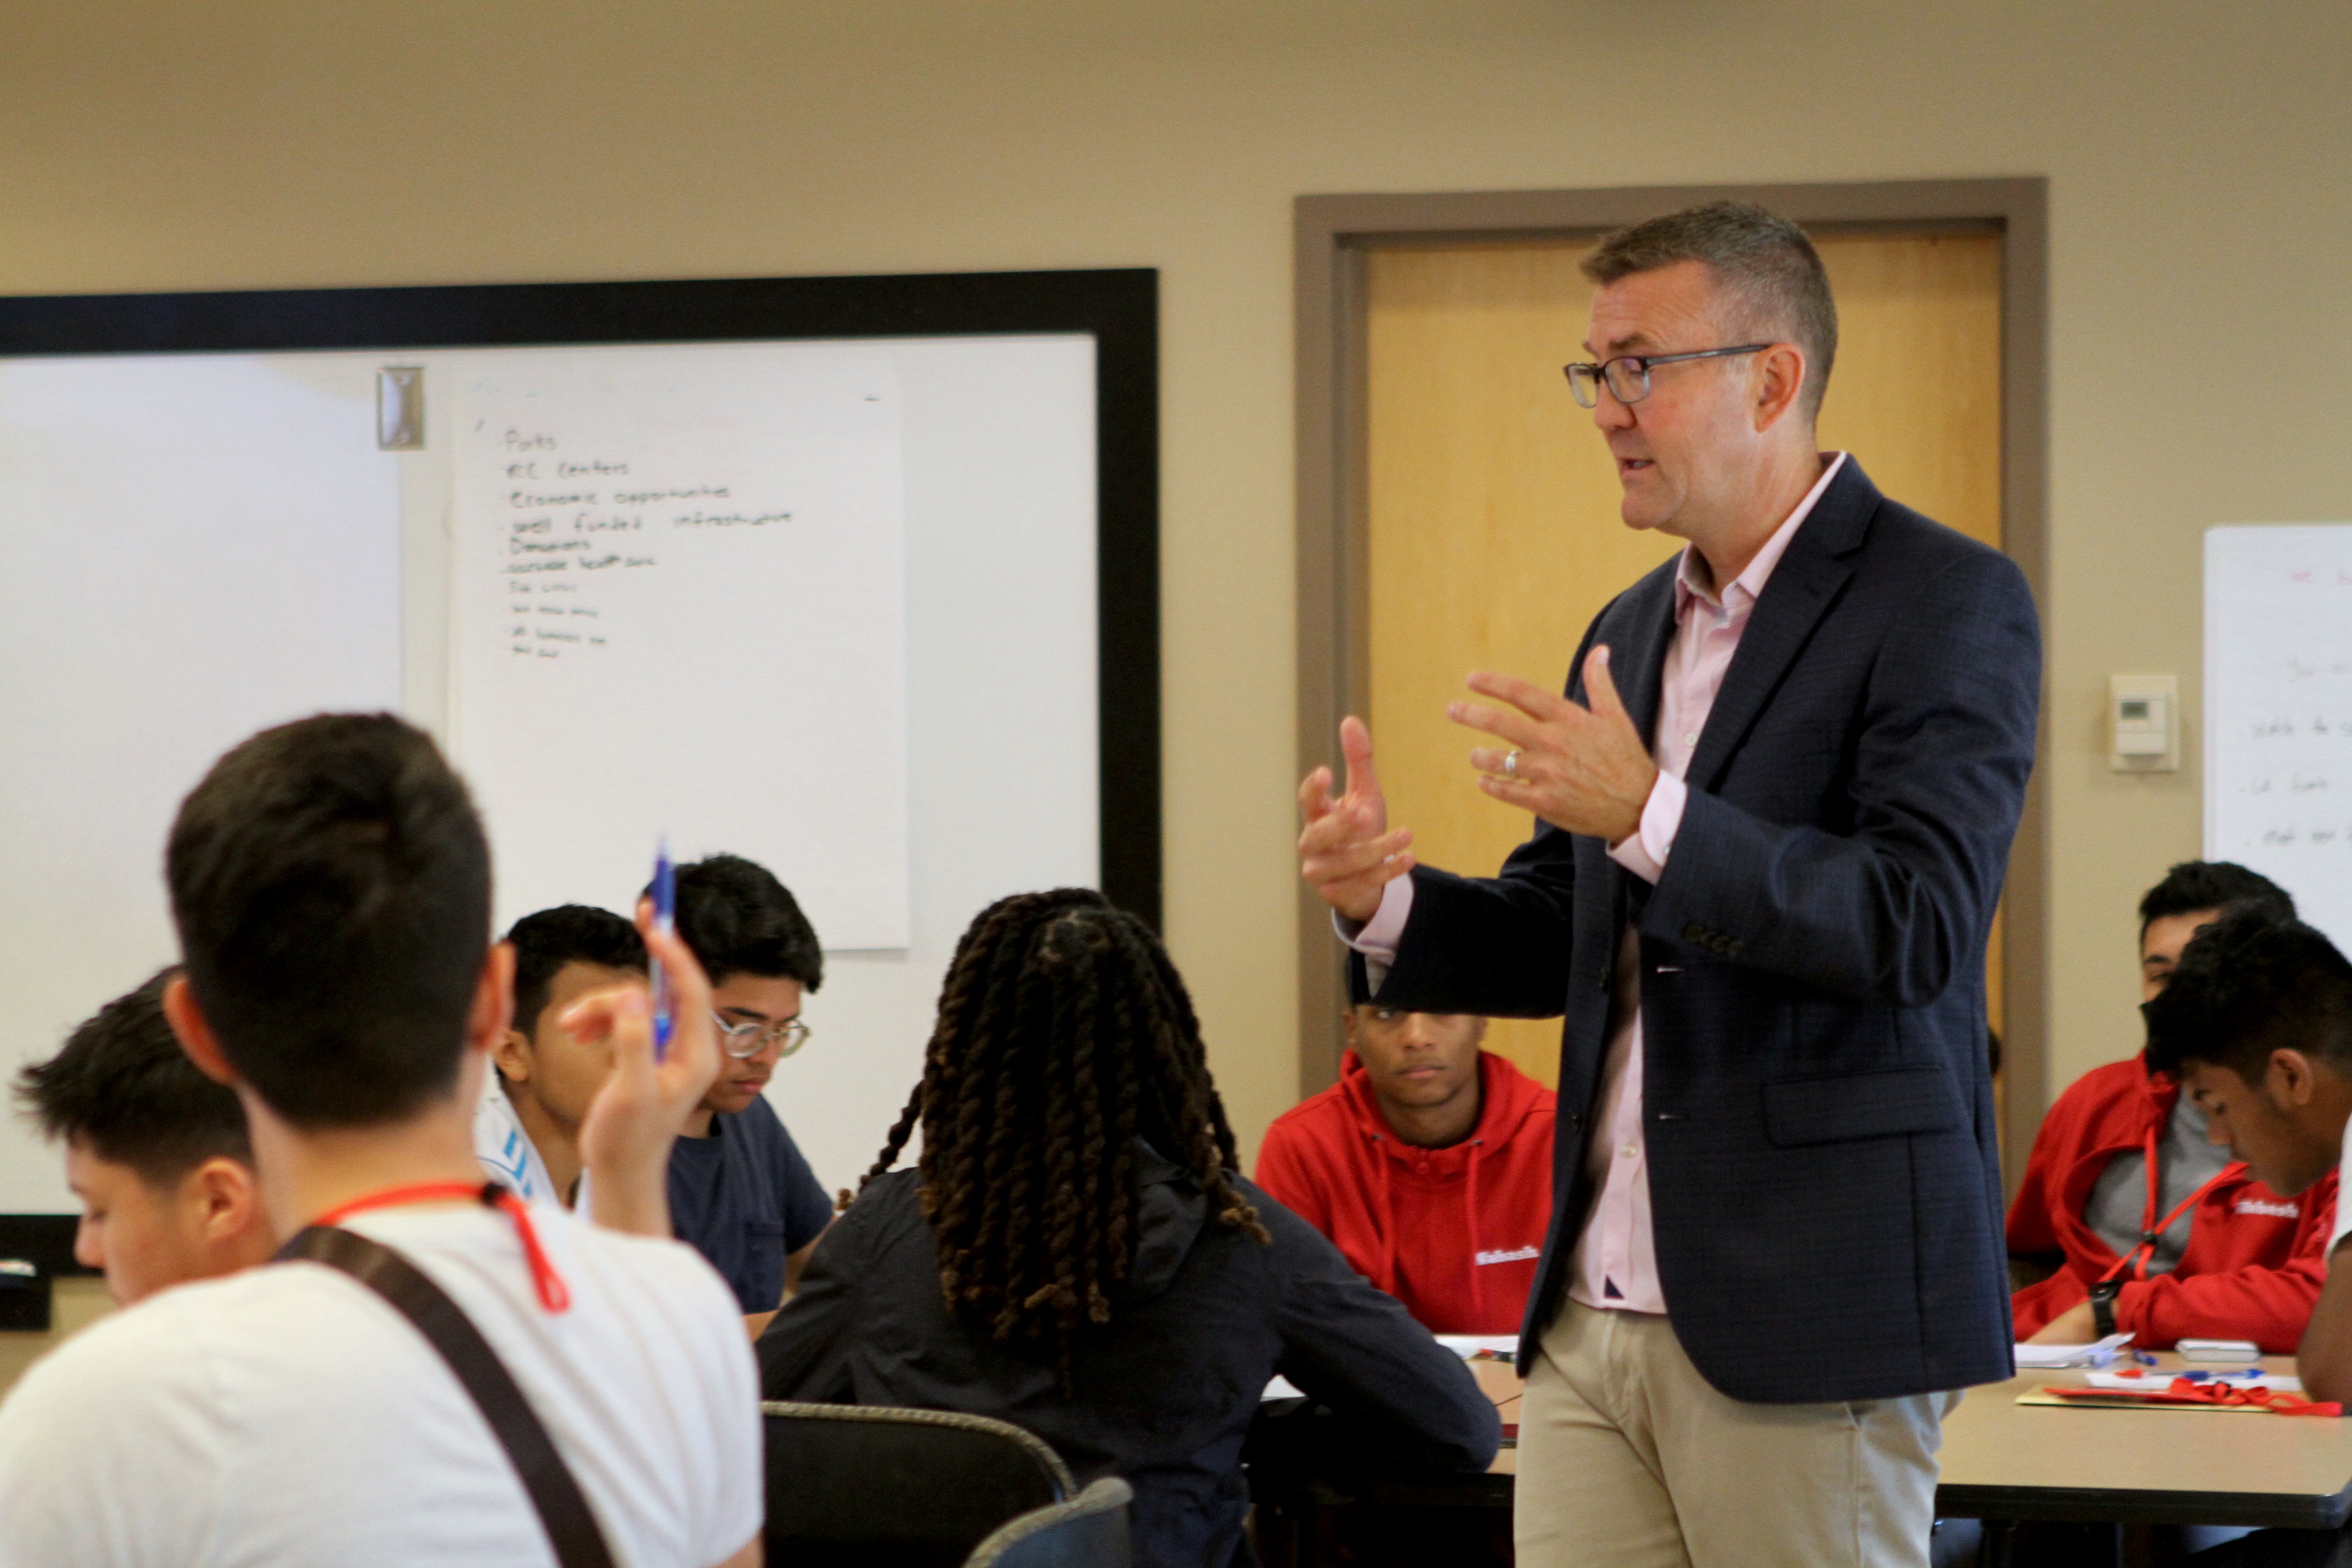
(1748, 586)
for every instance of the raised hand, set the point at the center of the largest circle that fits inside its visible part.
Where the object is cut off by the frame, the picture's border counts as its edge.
(624, 1139)
(1347, 853)
(1582, 769)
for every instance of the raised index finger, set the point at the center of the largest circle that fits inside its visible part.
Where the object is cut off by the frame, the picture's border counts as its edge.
(1356, 745)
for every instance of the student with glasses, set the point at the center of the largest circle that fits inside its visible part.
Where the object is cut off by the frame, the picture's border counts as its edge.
(740, 1191)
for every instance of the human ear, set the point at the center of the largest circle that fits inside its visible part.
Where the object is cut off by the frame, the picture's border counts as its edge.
(511, 1055)
(493, 1010)
(2291, 1081)
(194, 1032)
(1780, 379)
(224, 1189)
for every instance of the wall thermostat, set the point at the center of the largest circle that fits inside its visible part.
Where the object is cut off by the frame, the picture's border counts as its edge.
(2144, 723)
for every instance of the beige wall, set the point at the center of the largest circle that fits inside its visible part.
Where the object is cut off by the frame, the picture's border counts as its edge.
(2202, 299)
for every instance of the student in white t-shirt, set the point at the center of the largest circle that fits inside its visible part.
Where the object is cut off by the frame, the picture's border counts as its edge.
(330, 883)
(2257, 1025)
(527, 1126)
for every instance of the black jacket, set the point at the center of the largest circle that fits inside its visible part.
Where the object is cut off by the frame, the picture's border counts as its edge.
(1164, 1392)
(1825, 1185)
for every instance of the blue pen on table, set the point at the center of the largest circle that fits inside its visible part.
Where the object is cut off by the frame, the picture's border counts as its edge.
(665, 921)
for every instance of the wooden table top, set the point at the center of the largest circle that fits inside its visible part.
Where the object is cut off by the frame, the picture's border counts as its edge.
(2006, 1460)
(2182, 1465)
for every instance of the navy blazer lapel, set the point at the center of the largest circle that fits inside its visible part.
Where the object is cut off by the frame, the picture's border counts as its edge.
(1800, 589)
(1637, 648)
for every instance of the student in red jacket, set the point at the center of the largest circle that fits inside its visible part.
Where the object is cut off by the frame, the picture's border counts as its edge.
(1429, 1166)
(2124, 1153)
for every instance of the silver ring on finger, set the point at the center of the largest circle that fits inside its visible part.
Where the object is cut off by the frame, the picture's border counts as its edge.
(1511, 765)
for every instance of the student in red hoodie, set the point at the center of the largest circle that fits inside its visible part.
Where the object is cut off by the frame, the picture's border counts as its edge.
(2124, 1153)
(1429, 1166)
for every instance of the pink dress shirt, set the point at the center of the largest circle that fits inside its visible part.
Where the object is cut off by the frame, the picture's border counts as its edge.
(1616, 1261)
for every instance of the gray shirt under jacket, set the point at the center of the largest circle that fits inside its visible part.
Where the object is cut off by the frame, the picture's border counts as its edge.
(1163, 1393)
(2184, 1161)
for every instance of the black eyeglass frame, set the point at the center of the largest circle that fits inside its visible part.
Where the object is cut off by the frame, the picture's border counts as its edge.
(1601, 373)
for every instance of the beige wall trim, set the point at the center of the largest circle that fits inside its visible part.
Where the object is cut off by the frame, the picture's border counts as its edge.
(1332, 234)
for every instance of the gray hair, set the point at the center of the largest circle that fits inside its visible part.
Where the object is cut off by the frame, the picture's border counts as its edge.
(1767, 272)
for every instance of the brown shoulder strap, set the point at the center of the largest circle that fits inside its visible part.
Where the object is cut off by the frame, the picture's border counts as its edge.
(572, 1530)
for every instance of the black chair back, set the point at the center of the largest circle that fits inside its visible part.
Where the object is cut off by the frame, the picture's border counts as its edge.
(1090, 1530)
(875, 1487)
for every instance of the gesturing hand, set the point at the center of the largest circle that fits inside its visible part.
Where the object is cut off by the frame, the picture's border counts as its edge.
(1347, 853)
(1582, 770)
(624, 1139)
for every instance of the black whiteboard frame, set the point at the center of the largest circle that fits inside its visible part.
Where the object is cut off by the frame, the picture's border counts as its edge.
(1119, 307)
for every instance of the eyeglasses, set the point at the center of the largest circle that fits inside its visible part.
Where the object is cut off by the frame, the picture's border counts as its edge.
(1628, 375)
(741, 1040)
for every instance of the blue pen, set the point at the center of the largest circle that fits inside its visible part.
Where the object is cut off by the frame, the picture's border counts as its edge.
(665, 921)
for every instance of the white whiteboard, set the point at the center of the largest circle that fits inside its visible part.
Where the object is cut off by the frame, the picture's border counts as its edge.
(2278, 710)
(202, 545)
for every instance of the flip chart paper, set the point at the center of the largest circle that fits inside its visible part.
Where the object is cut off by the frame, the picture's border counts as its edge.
(680, 606)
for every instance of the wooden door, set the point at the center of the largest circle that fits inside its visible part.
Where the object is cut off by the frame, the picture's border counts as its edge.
(1495, 537)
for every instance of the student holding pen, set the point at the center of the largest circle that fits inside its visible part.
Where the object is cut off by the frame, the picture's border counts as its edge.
(331, 884)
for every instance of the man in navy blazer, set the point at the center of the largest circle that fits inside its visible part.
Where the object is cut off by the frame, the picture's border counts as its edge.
(1759, 891)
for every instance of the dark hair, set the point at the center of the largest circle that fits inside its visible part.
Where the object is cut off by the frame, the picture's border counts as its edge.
(1769, 273)
(569, 933)
(2195, 886)
(738, 920)
(331, 887)
(1064, 1038)
(123, 1087)
(2249, 985)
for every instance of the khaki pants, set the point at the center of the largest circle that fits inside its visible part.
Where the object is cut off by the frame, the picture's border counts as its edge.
(1628, 1458)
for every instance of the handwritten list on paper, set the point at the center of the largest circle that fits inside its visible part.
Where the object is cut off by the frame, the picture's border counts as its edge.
(2278, 710)
(680, 595)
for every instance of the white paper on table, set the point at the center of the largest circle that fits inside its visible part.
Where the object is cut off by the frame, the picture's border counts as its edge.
(2277, 1381)
(1470, 1346)
(2041, 1358)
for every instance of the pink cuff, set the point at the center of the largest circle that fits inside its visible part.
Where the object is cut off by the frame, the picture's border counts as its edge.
(1644, 850)
(1377, 938)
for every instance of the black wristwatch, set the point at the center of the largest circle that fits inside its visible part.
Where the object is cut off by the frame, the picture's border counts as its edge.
(2102, 1305)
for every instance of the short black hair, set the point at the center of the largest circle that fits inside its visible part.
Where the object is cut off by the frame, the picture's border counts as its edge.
(331, 886)
(2197, 885)
(123, 1087)
(2249, 985)
(569, 933)
(738, 920)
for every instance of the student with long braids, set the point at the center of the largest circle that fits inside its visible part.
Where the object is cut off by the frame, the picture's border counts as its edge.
(1075, 1253)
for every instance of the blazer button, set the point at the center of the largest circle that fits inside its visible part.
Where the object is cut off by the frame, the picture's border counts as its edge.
(1695, 933)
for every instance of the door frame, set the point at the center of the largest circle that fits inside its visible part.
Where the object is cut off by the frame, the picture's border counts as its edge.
(1333, 235)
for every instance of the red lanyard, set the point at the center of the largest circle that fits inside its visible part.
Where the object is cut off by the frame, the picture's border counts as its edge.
(554, 1294)
(2136, 1259)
